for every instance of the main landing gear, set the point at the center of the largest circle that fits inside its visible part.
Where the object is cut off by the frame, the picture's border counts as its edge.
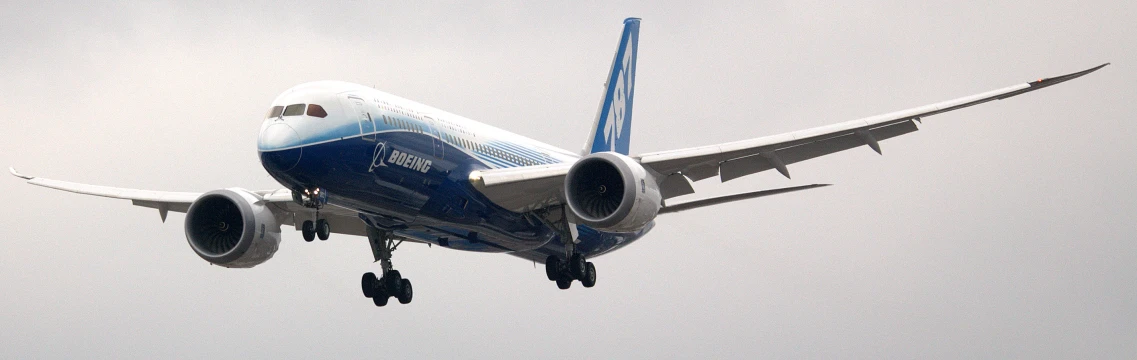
(572, 266)
(391, 284)
(564, 272)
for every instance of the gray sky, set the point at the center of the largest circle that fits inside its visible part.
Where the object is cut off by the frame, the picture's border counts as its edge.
(1005, 230)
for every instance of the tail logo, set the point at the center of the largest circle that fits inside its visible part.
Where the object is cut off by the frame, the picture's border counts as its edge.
(614, 124)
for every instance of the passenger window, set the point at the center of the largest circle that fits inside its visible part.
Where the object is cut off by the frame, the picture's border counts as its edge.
(294, 109)
(317, 111)
(275, 112)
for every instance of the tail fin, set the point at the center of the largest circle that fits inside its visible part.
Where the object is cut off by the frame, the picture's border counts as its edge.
(612, 129)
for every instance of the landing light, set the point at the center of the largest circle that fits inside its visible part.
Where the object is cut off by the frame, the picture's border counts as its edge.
(310, 197)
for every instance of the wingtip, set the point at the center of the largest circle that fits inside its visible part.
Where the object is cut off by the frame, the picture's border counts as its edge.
(1090, 70)
(1057, 79)
(18, 174)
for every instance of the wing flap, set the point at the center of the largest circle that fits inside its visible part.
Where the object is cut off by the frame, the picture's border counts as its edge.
(675, 185)
(175, 207)
(736, 168)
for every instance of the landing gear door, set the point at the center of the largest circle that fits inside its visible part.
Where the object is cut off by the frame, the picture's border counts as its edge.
(366, 122)
(436, 134)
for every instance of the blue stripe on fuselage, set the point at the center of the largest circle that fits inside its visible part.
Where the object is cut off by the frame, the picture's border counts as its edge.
(435, 204)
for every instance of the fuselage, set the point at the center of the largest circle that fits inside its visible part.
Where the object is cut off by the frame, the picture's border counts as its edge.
(405, 167)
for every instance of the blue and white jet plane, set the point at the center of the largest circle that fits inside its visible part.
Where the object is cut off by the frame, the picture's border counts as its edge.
(358, 161)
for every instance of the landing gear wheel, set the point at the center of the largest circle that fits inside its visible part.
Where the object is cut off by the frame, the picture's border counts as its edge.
(308, 230)
(589, 279)
(368, 284)
(564, 283)
(406, 292)
(380, 298)
(577, 266)
(394, 282)
(553, 267)
(323, 230)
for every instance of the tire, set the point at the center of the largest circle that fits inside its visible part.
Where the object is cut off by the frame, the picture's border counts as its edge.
(393, 281)
(564, 283)
(380, 299)
(308, 230)
(553, 267)
(323, 229)
(577, 266)
(406, 293)
(368, 284)
(589, 279)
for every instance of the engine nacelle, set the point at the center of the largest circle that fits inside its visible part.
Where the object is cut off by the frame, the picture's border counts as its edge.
(612, 192)
(230, 228)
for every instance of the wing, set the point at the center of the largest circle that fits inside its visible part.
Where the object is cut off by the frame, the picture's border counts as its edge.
(286, 211)
(736, 159)
(531, 187)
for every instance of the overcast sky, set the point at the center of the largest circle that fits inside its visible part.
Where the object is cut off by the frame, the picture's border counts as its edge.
(1005, 230)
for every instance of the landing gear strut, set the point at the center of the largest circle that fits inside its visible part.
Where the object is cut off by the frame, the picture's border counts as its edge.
(391, 284)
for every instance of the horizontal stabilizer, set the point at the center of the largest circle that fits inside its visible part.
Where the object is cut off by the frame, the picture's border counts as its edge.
(731, 198)
(18, 174)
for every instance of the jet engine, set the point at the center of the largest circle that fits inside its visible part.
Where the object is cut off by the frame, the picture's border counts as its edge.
(231, 228)
(612, 192)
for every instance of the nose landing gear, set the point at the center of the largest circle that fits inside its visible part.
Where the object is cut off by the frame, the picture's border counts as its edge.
(320, 229)
(313, 198)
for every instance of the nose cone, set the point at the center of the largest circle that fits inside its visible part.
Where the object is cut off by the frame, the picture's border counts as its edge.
(279, 147)
(277, 136)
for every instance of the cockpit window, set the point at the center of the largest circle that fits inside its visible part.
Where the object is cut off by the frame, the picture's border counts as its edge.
(294, 109)
(317, 111)
(275, 112)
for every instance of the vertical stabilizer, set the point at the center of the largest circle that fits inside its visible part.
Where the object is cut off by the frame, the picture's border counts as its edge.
(612, 129)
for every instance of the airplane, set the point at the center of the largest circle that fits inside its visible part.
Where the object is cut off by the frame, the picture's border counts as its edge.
(358, 161)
